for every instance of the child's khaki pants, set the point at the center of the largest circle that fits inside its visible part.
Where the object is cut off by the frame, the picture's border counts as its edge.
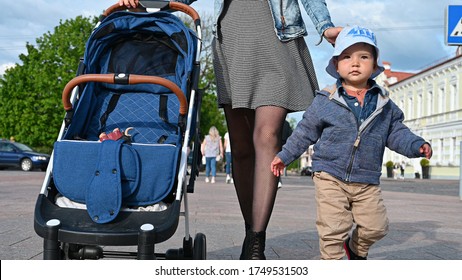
(340, 205)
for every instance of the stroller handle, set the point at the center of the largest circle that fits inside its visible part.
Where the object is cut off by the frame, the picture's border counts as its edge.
(163, 5)
(123, 79)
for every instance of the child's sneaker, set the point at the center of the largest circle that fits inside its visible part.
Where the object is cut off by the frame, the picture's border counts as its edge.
(207, 179)
(228, 179)
(349, 253)
(213, 180)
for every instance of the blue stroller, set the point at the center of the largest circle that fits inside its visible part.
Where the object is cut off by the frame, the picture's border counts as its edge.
(131, 118)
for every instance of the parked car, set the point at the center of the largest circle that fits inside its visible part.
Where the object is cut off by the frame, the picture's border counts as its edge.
(14, 154)
(306, 171)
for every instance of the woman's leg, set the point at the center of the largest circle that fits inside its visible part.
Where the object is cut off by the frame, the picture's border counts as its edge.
(207, 166)
(213, 164)
(228, 163)
(240, 126)
(255, 140)
(267, 142)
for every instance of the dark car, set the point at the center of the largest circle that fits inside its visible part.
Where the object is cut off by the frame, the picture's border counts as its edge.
(306, 171)
(14, 154)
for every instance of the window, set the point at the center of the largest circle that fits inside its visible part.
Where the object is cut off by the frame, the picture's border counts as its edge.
(453, 97)
(441, 100)
(410, 110)
(6, 147)
(452, 149)
(440, 150)
(429, 103)
(418, 104)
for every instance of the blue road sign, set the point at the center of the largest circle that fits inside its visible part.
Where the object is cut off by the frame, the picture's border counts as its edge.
(454, 25)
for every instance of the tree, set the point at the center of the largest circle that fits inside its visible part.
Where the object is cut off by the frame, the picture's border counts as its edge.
(210, 114)
(30, 94)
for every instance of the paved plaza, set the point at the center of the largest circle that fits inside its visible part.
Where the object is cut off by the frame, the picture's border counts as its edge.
(425, 220)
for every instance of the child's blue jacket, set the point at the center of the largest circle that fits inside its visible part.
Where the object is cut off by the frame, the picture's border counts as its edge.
(344, 149)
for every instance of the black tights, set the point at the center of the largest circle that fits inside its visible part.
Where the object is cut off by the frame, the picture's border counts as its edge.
(255, 137)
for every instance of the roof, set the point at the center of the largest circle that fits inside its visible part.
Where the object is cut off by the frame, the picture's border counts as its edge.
(458, 56)
(394, 77)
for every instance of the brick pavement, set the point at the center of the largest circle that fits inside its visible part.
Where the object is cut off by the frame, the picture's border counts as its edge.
(423, 225)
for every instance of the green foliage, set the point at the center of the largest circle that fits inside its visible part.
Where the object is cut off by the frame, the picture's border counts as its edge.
(292, 122)
(424, 162)
(389, 163)
(30, 92)
(210, 114)
(294, 165)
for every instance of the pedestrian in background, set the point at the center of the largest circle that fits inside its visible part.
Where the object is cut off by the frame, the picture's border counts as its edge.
(229, 159)
(402, 167)
(212, 148)
(417, 168)
(396, 171)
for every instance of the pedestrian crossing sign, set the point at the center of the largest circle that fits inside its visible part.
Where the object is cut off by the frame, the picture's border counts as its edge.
(454, 25)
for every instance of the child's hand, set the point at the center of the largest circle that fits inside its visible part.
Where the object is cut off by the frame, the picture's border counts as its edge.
(426, 150)
(128, 3)
(277, 166)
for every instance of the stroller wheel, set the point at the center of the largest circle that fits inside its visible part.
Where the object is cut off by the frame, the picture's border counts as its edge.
(200, 247)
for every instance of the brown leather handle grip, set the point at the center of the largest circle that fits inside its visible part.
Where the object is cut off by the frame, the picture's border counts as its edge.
(176, 6)
(132, 79)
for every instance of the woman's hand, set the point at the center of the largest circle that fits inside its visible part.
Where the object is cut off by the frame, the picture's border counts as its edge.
(129, 3)
(331, 34)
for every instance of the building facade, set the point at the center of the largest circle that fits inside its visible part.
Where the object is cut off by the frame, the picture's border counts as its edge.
(432, 105)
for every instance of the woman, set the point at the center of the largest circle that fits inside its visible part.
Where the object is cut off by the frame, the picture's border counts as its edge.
(263, 71)
(211, 148)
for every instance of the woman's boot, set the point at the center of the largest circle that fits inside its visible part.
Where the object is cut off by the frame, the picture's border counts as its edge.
(255, 245)
(244, 245)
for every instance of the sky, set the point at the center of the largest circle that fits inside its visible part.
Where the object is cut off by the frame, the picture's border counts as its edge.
(410, 33)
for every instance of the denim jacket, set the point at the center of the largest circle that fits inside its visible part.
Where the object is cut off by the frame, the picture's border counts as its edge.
(288, 22)
(344, 148)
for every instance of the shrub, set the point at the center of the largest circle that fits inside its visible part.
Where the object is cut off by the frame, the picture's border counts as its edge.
(424, 162)
(389, 163)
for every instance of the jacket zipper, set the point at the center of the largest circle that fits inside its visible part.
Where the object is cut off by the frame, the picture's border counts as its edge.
(355, 145)
(350, 165)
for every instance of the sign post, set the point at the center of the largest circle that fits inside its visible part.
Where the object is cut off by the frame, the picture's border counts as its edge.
(454, 25)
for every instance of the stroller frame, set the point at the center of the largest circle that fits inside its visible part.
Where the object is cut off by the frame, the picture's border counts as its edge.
(71, 233)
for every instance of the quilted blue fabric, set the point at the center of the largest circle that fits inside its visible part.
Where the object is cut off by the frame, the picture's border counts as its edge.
(107, 175)
(111, 174)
